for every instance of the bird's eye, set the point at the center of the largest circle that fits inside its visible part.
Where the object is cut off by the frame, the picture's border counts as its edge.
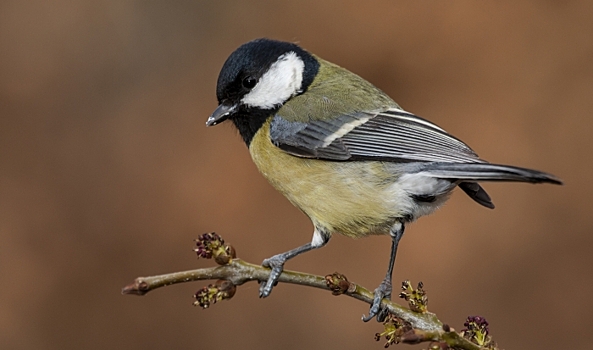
(249, 82)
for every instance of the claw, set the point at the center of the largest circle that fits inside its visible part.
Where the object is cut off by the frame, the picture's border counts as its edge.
(383, 291)
(276, 263)
(266, 286)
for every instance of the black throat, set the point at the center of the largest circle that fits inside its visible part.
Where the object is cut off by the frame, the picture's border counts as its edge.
(249, 121)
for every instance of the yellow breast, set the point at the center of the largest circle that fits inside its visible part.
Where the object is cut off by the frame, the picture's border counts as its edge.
(343, 197)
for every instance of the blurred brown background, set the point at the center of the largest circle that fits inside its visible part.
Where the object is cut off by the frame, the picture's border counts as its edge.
(107, 171)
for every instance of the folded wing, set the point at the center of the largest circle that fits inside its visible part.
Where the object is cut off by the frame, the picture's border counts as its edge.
(391, 135)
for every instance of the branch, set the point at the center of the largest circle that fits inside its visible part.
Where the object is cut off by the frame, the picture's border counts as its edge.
(407, 325)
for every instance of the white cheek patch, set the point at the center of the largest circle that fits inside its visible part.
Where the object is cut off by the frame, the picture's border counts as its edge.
(282, 81)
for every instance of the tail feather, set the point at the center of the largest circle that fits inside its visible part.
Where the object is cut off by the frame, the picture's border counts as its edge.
(470, 173)
(477, 193)
(475, 172)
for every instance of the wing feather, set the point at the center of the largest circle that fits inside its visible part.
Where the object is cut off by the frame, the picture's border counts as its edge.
(390, 135)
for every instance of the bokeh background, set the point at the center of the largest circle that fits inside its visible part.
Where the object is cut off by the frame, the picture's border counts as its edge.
(107, 171)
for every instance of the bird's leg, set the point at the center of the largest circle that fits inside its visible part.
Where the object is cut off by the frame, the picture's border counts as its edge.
(384, 289)
(276, 263)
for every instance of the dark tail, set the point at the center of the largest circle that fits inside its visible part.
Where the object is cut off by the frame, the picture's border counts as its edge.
(470, 173)
(474, 172)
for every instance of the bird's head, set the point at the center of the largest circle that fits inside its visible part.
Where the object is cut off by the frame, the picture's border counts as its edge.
(259, 77)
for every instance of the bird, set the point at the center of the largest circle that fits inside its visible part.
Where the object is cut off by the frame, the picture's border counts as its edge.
(344, 152)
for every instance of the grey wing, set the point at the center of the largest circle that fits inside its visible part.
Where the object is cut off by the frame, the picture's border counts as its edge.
(391, 135)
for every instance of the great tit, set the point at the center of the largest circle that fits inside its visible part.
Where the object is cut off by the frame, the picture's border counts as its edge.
(343, 151)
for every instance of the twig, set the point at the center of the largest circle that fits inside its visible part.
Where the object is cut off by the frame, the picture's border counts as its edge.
(426, 326)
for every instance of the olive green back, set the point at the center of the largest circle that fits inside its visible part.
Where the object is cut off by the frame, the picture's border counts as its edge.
(335, 91)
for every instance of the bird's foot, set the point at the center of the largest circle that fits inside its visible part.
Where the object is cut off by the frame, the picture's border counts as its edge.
(383, 291)
(276, 263)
